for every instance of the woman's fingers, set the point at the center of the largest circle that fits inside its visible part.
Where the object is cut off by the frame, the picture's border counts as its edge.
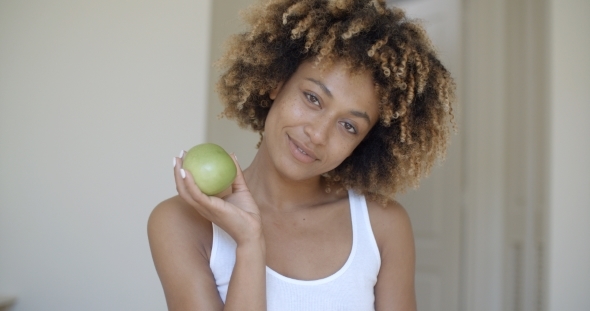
(236, 213)
(190, 192)
(179, 180)
(239, 184)
(186, 187)
(193, 190)
(241, 195)
(213, 208)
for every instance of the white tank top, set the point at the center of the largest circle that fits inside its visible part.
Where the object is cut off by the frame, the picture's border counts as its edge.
(350, 288)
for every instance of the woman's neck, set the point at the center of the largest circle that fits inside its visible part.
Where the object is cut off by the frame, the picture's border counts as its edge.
(273, 190)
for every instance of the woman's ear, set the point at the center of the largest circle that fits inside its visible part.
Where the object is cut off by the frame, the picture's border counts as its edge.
(273, 94)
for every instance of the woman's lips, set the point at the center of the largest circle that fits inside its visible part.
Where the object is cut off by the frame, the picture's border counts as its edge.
(300, 152)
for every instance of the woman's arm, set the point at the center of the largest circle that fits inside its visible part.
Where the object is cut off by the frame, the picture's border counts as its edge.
(394, 290)
(180, 241)
(180, 234)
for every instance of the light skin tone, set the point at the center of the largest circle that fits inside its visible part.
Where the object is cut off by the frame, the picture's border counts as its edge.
(278, 211)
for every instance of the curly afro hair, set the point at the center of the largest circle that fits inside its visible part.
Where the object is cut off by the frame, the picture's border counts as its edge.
(416, 91)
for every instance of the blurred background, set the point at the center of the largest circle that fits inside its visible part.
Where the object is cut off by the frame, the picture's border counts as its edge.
(96, 97)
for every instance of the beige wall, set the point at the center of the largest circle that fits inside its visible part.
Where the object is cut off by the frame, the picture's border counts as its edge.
(569, 175)
(96, 97)
(225, 21)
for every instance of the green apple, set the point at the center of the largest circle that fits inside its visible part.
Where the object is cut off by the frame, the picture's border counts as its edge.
(212, 168)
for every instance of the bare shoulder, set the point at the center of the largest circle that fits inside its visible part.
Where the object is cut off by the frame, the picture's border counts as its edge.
(176, 221)
(393, 231)
(180, 241)
(174, 209)
(391, 224)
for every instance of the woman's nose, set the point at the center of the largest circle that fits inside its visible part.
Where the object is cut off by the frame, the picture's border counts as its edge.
(318, 130)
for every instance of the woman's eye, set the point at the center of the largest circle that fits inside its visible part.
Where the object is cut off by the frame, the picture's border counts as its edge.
(349, 127)
(312, 99)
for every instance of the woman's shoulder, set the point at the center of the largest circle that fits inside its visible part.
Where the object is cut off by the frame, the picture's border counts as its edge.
(175, 222)
(176, 211)
(180, 242)
(391, 225)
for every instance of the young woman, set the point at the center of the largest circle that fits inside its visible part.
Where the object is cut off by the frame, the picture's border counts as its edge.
(353, 106)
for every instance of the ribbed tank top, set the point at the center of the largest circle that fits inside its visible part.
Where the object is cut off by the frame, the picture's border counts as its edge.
(350, 288)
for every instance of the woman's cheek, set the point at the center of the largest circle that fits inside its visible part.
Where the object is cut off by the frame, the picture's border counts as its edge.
(295, 109)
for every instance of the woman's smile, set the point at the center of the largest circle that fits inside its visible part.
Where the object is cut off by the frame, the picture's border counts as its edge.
(300, 152)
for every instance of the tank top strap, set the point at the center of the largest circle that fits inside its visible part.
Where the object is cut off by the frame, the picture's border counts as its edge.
(361, 223)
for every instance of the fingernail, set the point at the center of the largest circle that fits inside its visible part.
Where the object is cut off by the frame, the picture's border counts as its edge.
(174, 162)
(182, 173)
(235, 156)
(181, 154)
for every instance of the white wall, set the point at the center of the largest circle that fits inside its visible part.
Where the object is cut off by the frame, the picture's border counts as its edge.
(96, 97)
(226, 22)
(569, 185)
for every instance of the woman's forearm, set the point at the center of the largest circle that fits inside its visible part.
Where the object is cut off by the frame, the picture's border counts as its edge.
(247, 286)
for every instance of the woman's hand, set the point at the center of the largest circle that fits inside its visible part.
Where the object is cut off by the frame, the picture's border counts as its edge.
(237, 213)
(239, 216)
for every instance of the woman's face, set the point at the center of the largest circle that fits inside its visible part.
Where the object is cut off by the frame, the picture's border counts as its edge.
(317, 119)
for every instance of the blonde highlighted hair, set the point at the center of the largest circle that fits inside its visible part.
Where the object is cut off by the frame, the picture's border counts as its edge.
(416, 91)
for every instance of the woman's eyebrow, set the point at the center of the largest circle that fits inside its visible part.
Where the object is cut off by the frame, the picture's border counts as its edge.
(361, 114)
(322, 86)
